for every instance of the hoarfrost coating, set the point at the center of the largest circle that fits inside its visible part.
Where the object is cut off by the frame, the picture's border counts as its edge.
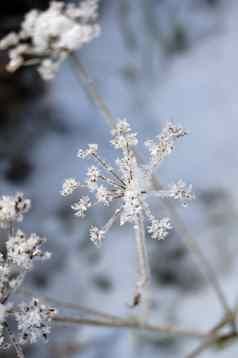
(12, 209)
(33, 320)
(130, 183)
(47, 37)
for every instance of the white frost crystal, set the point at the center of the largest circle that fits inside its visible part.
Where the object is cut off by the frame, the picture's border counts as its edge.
(181, 191)
(33, 321)
(159, 228)
(96, 235)
(82, 206)
(47, 37)
(130, 184)
(69, 186)
(163, 145)
(12, 209)
(21, 250)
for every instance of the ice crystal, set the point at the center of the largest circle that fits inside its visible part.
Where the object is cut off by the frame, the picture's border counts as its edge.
(130, 183)
(96, 235)
(159, 228)
(47, 37)
(69, 186)
(163, 145)
(12, 209)
(82, 206)
(33, 321)
(21, 250)
(15, 261)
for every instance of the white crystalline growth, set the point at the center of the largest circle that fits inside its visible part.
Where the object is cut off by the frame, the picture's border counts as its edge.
(21, 250)
(129, 184)
(12, 209)
(33, 321)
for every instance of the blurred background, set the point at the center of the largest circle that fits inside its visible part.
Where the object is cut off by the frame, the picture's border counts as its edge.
(156, 60)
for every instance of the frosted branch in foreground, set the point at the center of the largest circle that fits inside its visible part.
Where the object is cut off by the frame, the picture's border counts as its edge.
(32, 321)
(47, 37)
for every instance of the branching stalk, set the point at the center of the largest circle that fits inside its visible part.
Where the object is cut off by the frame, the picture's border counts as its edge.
(181, 228)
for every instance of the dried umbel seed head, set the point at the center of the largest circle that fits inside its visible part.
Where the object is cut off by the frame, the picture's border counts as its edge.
(33, 320)
(129, 184)
(22, 250)
(47, 37)
(69, 186)
(12, 209)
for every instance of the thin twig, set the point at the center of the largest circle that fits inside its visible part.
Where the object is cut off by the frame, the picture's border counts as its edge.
(130, 324)
(194, 247)
(90, 88)
(211, 339)
(181, 228)
(72, 306)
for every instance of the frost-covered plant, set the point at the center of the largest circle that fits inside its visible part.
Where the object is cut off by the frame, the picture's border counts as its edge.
(47, 37)
(130, 185)
(22, 250)
(12, 209)
(15, 261)
(33, 321)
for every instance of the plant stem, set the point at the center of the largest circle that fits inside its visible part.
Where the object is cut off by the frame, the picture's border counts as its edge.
(142, 286)
(91, 89)
(96, 98)
(72, 306)
(130, 324)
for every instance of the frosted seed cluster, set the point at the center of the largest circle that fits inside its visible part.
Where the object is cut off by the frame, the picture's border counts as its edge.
(12, 209)
(33, 321)
(129, 183)
(163, 145)
(19, 255)
(69, 186)
(47, 37)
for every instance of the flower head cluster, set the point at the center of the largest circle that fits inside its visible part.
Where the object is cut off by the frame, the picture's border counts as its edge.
(163, 145)
(130, 183)
(21, 250)
(33, 321)
(47, 37)
(12, 209)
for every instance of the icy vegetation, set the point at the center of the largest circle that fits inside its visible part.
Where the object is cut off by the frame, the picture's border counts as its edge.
(32, 319)
(132, 187)
(152, 64)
